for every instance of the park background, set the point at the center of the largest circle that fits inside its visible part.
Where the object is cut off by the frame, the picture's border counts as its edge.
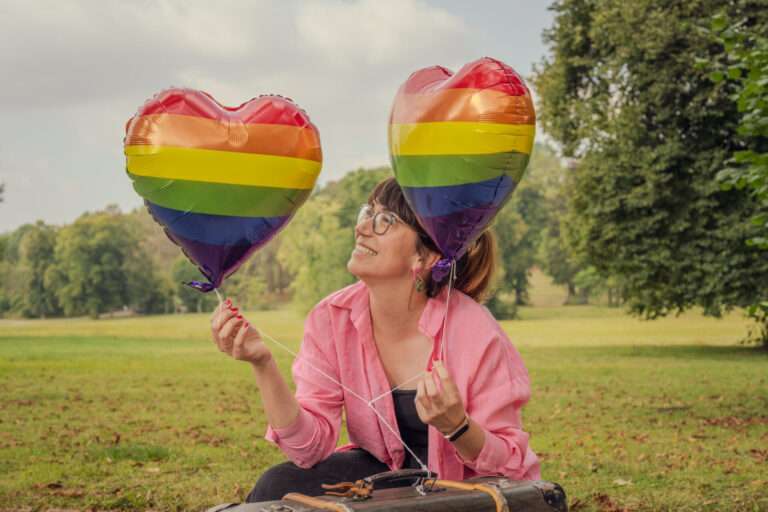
(634, 280)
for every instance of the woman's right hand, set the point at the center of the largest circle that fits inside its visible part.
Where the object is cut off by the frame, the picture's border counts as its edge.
(234, 335)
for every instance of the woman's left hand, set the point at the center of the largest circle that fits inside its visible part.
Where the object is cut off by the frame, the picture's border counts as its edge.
(438, 402)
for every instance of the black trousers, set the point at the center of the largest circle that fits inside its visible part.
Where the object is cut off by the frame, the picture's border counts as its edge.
(287, 477)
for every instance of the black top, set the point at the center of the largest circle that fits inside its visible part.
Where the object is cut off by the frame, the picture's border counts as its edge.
(412, 429)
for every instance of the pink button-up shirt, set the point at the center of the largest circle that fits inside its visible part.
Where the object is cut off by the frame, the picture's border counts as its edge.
(488, 370)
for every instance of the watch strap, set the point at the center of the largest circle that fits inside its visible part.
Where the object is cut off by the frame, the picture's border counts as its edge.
(453, 436)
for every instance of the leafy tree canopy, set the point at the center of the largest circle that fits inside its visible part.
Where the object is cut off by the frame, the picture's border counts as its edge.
(621, 93)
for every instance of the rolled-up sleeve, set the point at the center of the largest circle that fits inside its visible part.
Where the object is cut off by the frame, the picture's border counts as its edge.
(495, 398)
(312, 437)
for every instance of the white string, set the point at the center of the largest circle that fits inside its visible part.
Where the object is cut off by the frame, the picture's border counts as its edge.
(451, 278)
(369, 403)
(318, 370)
(417, 376)
(356, 395)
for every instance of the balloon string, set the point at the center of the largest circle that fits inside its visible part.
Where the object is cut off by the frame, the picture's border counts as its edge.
(451, 279)
(417, 376)
(369, 403)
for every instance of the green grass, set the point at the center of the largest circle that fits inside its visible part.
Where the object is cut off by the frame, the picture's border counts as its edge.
(145, 413)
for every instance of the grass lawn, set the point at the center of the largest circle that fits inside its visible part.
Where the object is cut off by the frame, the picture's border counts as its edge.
(145, 413)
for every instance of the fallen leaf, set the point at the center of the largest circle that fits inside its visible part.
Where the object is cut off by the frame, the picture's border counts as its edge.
(576, 504)
(760, 456)
(607, 504)
(69, 493)
(52, 485)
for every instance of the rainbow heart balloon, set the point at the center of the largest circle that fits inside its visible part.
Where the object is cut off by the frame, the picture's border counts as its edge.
(459, 145)
(221, 181)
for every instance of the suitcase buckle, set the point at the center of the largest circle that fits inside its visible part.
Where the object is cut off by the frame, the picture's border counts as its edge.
(357, 491)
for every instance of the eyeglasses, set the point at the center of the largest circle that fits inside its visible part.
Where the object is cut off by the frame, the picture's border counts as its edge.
(382, 221)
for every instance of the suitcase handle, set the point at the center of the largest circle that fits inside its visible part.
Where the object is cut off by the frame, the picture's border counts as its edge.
(394, 476)
(363, 488)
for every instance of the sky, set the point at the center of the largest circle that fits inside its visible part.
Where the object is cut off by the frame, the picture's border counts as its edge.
(75, 71)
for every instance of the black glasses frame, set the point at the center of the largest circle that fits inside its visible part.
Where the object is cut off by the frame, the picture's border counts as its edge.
(367, 212)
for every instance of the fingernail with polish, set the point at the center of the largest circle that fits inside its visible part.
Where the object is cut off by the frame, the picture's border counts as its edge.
(239, 317)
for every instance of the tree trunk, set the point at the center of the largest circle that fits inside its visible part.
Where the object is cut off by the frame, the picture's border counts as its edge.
(571, 293)
(519, 298)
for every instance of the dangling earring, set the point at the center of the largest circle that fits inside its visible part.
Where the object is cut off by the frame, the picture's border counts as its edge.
(418, 282)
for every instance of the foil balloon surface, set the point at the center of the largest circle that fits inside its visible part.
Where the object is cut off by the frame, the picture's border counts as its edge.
(221, 181)
(459, 145)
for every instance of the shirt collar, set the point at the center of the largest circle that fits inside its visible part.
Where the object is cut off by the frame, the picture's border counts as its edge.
(355, 298)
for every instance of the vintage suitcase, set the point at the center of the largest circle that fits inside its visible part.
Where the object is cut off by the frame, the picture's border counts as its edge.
(484, 494)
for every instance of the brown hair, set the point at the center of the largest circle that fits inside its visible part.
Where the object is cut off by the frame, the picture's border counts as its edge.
(474, 271)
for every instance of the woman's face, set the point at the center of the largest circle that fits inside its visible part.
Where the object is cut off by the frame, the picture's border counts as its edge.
(385, 246)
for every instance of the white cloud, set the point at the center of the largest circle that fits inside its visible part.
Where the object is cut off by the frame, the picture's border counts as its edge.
(70, 52)
(373, 31)
(75, 71)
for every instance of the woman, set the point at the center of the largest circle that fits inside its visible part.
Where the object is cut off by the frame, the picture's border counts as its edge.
(462, 418)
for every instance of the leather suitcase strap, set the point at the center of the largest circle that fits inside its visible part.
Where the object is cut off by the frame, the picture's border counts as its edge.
(493, 492)
(316, 502)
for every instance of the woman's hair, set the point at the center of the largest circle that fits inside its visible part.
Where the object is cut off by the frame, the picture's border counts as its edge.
(474, 271)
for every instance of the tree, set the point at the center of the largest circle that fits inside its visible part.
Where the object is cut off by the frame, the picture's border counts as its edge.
(621, 93)
(528, 228)
(315, 248)
(12, 241)
(556, 259)
(556, 256)
(317, 244)
(249, 289)
(591, 283)
(2, 190)
(520, 224)
(501, 309)
(6, 267)
(153, 240)
(265, 266)
(36, 255)
(12, 277)
(515, 259)
(743, 68)
(100, 266)
(352, 191)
